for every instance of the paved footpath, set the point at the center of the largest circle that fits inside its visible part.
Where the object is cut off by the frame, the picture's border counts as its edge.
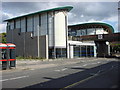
(34, 64)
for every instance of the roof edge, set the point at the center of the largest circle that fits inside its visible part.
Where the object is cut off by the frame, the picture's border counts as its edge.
(95, 23)
(68, 8)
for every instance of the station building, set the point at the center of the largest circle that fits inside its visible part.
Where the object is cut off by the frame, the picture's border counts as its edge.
(46, 34)
(91, 39)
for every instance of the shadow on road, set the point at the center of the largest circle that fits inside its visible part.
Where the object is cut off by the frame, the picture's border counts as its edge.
(106, 80)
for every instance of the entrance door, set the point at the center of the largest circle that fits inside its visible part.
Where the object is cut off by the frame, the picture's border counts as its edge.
(102, 48)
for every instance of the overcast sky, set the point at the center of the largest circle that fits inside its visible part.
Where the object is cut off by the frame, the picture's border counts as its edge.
(82, 12)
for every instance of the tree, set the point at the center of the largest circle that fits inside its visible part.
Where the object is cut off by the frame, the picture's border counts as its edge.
(3, 36)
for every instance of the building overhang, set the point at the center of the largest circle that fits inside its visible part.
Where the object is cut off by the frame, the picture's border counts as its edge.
(93, 25)
(75, 43)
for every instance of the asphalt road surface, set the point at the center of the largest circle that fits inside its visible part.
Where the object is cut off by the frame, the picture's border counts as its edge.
(84, 74)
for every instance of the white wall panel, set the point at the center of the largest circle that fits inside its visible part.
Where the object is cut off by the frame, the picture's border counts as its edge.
(60, 29)
(23, 27)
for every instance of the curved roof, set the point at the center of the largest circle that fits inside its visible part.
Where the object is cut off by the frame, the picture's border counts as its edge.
(68, 8)
(94, 24)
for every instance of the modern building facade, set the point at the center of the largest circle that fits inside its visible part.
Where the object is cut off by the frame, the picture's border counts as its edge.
(45, 34)
(40, 34)
(94, 33)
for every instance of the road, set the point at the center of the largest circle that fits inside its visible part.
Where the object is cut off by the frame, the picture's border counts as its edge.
(83, 74)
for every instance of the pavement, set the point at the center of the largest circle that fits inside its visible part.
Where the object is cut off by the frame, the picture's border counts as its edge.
(34, 64)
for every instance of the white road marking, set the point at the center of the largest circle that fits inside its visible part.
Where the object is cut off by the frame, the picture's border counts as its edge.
(85, 64)
(64, 69)
(61, 69)
(13, 78)
(95, 73)
(57, 70)
(98, 62)
(32, 69)
(93, 63)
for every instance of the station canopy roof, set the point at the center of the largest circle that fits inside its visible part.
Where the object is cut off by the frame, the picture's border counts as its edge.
(93, 25)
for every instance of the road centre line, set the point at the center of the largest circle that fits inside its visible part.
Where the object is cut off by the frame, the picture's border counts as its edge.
(14, 78)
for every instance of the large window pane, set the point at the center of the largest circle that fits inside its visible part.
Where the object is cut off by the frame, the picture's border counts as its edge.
(43, 27)
(76, 51)
(17, 22)
(29, 24)
(92, 51)
(79, 32)
(83, 51)
(91, 31)
(83, 32)
(12, 25)
(99, 30)
(88, 51)
(36, 24)
(23, 25)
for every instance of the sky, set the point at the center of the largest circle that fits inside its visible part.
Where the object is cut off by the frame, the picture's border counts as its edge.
(82, 12)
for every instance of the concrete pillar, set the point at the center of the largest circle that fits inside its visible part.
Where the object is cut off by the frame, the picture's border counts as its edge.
(71, 51)
(95, 53)
(68, 50)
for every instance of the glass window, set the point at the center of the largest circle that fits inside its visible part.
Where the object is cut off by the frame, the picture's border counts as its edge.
(63, 52)
(43, 28)
(73, 33)
(83, 51)
(8, 26)
(79, 33)
(17, 22)
(99, 30)
(29, 24)
(51, 52)
(23, 25)
(91, 31)
(12, 25)
(92, 51)
(60, 52)
(76, 51)
(36, 24)
(83, 32)
(88, 51)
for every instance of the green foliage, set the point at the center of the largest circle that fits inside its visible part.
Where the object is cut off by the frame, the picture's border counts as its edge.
(29, 58)
(3, 35)
(116, 48)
